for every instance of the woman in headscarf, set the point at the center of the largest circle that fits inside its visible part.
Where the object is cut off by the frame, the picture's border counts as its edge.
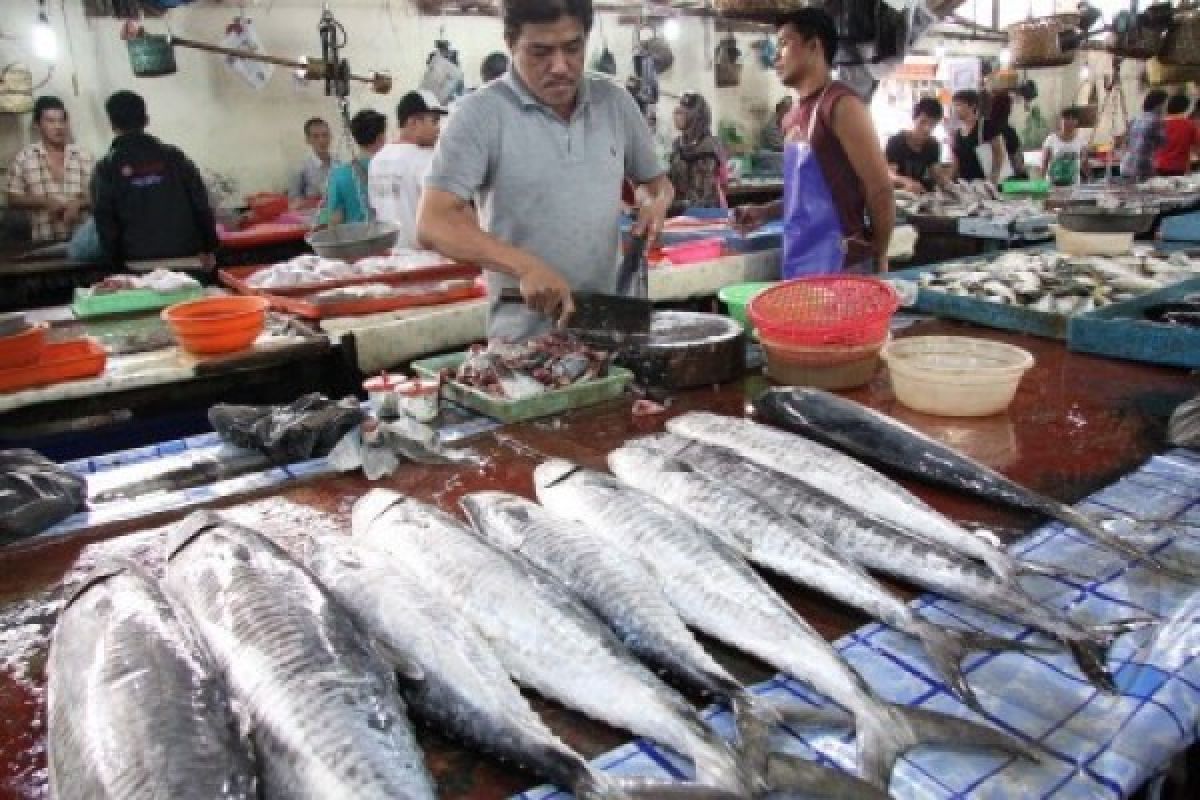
(695, 166)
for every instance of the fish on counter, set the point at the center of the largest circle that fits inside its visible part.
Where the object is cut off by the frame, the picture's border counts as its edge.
(968, 199)
(326, 717)
(1055, 283)
(847, 480)
(777, 542)
(308, 270)
(517, 371)
(886, 549)
(876, 438)
(546, 639)
(1183, 429)
(716, 591)
(449, 675)
(136, 708)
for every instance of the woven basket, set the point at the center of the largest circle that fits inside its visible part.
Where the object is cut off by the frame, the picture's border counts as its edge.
(1137, 43)
(16, 89)
(1181, 48)
(1004, 80)
(762, 10)
(1034, 42)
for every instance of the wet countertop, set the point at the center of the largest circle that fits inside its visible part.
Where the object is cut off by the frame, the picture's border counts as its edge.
(1078, 422)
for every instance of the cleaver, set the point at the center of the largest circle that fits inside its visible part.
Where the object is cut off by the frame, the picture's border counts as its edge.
(610, 313)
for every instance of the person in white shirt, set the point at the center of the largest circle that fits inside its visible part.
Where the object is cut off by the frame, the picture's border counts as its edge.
(396, 172)
(1063, 154)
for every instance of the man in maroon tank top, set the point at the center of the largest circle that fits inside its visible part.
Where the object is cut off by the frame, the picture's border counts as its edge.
(835, 126)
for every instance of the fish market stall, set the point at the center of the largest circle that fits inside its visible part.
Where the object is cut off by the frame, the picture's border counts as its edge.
(1078, 424)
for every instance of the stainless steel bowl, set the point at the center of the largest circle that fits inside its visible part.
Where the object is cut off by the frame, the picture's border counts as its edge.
(354, 240)
(1099, 220)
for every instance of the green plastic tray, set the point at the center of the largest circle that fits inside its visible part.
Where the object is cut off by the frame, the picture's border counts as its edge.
(555, 401)
(128, 301)
(1035, 187)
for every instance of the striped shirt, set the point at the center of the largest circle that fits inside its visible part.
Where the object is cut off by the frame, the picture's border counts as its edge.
(30, 175)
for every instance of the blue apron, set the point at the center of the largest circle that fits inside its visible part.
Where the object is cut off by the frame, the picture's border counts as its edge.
(813, 239)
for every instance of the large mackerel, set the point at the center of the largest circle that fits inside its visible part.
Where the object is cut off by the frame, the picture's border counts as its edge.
(546, 639)
(873, 437)
(716, 591)
(844, 478)
(326, 717)
(878, 546)
(136, 708)
(776, 541)
(449, 675)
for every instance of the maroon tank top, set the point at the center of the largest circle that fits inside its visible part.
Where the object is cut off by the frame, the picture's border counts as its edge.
(848, 193)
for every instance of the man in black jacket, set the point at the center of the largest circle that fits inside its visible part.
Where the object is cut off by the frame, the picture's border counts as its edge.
(148, 198)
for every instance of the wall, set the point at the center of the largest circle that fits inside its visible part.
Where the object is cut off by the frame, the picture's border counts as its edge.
(254, 136)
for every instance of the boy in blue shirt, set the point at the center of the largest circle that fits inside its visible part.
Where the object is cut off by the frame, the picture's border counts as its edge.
(345, 198)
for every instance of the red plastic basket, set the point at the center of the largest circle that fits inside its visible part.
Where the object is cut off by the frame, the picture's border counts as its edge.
(842, 309)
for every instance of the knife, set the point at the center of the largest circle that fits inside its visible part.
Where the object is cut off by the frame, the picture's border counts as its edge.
(610, 313)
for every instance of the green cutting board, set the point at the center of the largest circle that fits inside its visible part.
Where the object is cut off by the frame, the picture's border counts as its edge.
(547, 404)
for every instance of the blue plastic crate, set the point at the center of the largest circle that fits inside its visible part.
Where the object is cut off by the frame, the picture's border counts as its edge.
(1119, 331)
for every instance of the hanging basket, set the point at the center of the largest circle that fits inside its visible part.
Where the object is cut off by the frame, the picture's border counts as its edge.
(1034, 42)
(1160, 74)
(16, 89)
(1004, 80)
(728, 75)
(759, 10)
(1181, 48)
(1139, 43)
(151, 55)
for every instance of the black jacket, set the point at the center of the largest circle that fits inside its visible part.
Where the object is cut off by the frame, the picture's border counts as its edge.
(149, 202)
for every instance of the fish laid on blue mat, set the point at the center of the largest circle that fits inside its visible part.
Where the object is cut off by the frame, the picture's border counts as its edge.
(326, 717)
(136, 709)
(879, 546)
(775, 541)
(876, 438)
(716, 591)
(546, 639)
(449, 675)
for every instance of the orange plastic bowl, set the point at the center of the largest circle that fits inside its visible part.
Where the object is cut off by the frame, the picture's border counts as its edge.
(217, 324)
(22, 349)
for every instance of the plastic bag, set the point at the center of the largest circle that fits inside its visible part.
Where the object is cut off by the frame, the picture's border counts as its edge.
(35, 493)
(1184, 428)
(307, 428)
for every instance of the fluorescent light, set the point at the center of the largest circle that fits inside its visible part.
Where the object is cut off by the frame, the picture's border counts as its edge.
(45, 40)
(1006, 57)
(671, 30)
(1085, 73)
(939, 52)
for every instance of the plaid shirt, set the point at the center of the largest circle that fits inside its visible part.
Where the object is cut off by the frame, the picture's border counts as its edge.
(30, 175)
(1146, 134)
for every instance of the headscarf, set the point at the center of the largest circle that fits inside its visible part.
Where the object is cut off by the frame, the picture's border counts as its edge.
(697, 138)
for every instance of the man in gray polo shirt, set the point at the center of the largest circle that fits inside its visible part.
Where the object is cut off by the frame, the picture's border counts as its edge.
(542, 153)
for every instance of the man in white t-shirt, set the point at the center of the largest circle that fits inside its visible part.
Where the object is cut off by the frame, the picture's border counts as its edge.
(1064, 153)
(396, 171)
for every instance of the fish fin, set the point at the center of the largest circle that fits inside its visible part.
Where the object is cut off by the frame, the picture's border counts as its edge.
(653, 789)
(1091, 656)
(813, 717)
(754, 720)
(407, 671)
(794, 777)
(891, 730)
(1047, 571)
(189, 528)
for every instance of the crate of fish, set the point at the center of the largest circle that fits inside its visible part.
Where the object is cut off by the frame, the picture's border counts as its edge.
(513, 383)
(1039, 291)
(1160, 327)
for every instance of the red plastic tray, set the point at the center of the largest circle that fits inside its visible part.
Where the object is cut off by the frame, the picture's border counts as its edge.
(60, 362)
(421, 293)
(236, 278)
(263, 234)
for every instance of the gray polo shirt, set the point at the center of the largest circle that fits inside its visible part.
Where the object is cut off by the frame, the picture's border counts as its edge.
(550, 187)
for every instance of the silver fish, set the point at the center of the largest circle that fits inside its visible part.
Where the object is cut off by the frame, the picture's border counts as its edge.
(130, 690)
(771, 539)
(622, 593)
(874, 437)
(545, 638)
(716, 591)
(326, 717)
(843, 478)
(886, 549)
(449, 675)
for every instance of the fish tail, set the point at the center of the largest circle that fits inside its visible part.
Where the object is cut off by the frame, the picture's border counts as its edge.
(794, 777)
(754, 720)
(1094, 528)
(887, 731)
(1035, 569)
(654, 789)
(1091, 653)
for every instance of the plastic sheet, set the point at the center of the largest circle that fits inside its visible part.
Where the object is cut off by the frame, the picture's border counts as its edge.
(307, 428)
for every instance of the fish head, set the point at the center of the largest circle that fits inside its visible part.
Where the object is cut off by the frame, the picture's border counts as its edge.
(103, 572)
(499, 517)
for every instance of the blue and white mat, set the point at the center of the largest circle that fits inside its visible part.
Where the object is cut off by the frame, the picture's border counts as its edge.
(1097, 745)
